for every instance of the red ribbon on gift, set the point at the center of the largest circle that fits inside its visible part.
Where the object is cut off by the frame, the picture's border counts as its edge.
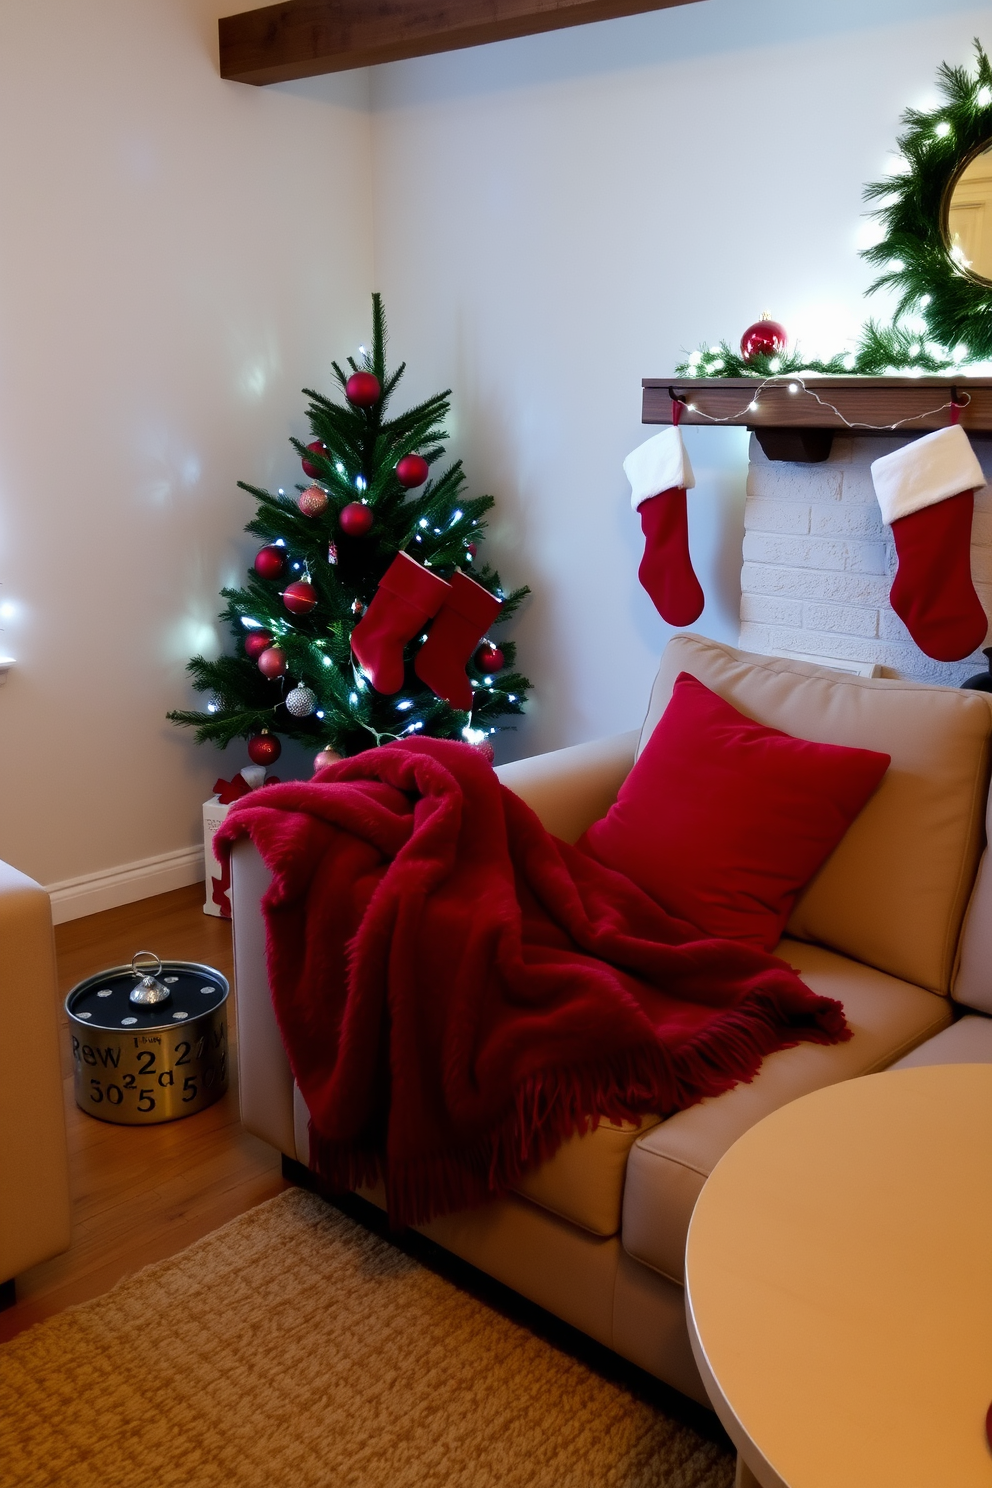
(233, 790)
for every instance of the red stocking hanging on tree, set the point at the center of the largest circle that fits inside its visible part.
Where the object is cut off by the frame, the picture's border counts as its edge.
(660, 474)
(462, 621)
(407, 596)
(926, 492)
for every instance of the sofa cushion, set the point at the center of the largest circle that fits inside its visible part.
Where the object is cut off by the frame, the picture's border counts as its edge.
(583, 1182)
(723, 820)
(894, 892)
(668, 1166)
(973, 977)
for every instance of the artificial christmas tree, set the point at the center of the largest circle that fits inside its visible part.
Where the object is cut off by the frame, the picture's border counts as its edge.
(320, 571)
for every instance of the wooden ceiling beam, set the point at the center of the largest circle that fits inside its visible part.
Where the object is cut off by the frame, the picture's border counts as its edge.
(301, 38)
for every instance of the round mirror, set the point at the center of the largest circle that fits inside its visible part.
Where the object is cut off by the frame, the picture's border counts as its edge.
(968, 217)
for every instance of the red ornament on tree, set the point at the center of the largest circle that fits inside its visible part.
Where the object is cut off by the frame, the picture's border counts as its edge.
(264, 748)
(355, 519)
(300, 597)
(489, 659)
(257, 641)
(312, 501)
(765, 338)
(318, 449)
(471, 550)
(327, 756)
(270, 562)
(412, 471)
(362, 389)
(272, 663)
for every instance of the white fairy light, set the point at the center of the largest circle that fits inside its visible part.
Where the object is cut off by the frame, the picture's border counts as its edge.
(360, 482)
(339, 467)
(213, 708)
(511, 697)
(353, 698)
(423, 522)
(319, 713)
(473, 735)
(775, 364)
(327, 661)
(457, 516)
(250, 624)
(280, 542)
(924, 301)
(404, 706)
(281, 491)
(983, 97)
(752, 407)
(793, 387)
(943, 129)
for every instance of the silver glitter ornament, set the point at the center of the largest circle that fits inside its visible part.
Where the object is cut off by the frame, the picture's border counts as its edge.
(301, 702)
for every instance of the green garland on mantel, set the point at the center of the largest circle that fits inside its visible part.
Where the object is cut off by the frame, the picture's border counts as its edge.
(951, 325)
(882, 351)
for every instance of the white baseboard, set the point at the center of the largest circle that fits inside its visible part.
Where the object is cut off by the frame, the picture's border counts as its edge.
(91, 892)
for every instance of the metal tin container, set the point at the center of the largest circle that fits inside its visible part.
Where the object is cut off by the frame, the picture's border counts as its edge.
(149, 1041)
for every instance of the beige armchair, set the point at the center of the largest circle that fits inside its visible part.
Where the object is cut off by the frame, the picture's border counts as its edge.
(34, 1167)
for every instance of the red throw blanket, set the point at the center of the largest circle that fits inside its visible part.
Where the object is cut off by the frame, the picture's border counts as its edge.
(458, 991)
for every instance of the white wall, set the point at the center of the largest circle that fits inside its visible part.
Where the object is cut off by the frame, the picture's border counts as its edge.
(560, 216)
(179, 256)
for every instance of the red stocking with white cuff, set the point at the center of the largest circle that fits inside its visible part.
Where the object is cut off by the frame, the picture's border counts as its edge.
(660, 474)
(926, 492)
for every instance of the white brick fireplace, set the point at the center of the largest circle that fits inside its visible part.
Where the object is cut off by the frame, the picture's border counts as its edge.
(818, 563)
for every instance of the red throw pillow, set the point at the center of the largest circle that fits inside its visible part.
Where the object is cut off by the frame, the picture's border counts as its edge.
(722, 820)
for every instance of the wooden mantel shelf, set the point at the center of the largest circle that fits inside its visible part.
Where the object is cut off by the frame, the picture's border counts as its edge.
(795, 426)
(301, 38)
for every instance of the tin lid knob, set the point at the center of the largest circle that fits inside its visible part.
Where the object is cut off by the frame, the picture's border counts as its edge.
(149, 990)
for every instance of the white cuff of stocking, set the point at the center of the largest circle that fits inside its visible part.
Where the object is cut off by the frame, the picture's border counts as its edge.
(656, 465)
(925, 472)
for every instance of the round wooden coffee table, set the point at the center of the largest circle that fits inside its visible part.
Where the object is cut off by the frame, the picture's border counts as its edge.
(839, 1285)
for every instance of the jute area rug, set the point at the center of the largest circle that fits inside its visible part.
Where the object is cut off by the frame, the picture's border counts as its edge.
(293, 1348)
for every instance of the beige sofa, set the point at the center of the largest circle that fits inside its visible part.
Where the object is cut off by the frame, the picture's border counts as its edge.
(34, 1179)
(897, 925)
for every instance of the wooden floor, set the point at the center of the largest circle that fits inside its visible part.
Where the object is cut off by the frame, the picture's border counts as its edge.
(140, 1193)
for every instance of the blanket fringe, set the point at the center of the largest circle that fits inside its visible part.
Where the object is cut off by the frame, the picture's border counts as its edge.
(549, 1108)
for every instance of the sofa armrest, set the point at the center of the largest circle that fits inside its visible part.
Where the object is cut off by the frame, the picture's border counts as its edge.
(34, 1168)
(571, 788)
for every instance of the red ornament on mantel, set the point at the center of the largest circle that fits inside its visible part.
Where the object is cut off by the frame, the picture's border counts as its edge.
(362, 389)
(310, 469)
(766, 337)
(270, 562)
(264, 748)
(412, 471)
(355, 519)
(300, 597)
(257, 641)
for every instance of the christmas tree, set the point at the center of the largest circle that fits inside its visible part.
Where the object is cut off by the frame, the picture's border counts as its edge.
(366, 614)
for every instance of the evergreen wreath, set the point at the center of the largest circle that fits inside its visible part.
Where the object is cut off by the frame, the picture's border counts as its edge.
(936, 146)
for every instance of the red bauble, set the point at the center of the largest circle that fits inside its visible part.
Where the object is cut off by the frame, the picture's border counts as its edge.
(300, 597)
(272, 663)
(318, 449)
(412, 471)
(257, 641)
(312, 501)
(327, 756)
(362, 389)
(471, 550)
(270, 562)
(355, 519)
(264, 748)
(765, 338)
(489, 659)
